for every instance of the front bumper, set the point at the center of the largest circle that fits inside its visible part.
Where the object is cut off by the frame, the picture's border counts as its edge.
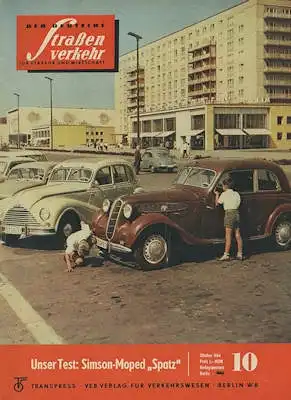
(25, 231)
(111, 247)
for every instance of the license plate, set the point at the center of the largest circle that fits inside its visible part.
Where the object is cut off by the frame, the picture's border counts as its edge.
(13, 230)
(102, 243)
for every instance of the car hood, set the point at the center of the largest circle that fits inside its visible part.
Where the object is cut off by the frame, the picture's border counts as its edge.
(11, 187)
(174, 194)
(31, 196)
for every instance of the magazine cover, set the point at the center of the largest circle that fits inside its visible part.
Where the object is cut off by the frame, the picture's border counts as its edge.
(145, 199)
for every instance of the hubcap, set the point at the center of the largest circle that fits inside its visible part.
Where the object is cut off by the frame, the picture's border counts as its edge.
(155, 249)
(283, 233)
(67, 229)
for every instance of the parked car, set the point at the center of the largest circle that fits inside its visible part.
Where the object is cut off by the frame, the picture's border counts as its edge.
(75, 190)
(152, 226)
(25, 176)
(34, 154)
(156, 159)
(7, 163)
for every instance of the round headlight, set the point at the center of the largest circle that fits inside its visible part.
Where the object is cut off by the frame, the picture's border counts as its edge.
(44, 214)
(106, 205)
(127, 211)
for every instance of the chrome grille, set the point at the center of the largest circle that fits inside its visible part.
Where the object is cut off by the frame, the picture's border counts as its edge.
(113, 218)
(19, 216)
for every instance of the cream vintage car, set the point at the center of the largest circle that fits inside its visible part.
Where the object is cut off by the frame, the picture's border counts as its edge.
(25, 176)
(75, 190)
(7, 162)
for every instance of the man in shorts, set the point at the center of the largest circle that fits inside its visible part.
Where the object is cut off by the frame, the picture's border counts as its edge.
(230, 200)
(78, 246)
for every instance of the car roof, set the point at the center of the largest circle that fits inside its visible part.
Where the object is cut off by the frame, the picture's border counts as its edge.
(20, 152)
(92, 163)
(36, 164)
(24, 159)
(229, 163)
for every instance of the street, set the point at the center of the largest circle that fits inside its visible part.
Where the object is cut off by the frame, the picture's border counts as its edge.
(198, 300)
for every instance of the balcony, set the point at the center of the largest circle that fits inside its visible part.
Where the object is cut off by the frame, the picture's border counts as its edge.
(201, 92)
(133, 85)
(277, 15)
(207, 67)
(277, 42)
(210, 78)
(280, 96)
(200, 57)
(277, 56)
(277, 83)
(279, 29)
(278, 70)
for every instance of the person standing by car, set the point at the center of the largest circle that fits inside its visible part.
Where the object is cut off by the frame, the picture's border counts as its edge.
(230, 200)
(78, 246)
(137, 159)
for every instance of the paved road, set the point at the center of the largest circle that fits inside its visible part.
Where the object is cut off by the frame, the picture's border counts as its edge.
(198, 300)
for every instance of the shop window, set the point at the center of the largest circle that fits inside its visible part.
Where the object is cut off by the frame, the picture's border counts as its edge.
(279, 135)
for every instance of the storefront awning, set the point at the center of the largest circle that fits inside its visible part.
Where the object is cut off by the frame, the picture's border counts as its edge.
(166, 134)
(230, 132)
(195, 132)
(149, 134)
(257, 132)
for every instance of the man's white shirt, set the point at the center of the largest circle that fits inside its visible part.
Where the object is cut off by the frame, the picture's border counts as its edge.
(230, 200)
(75, 238)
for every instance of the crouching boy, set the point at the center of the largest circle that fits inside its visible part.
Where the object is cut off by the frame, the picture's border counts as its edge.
(78, 246)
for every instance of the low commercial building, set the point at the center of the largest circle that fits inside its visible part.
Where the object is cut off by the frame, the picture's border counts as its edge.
(27, 120)
(67, 136)
(3, 131)
(216, 126)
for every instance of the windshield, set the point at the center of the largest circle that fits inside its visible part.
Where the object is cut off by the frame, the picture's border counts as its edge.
(26, 173)
(198, 177)
(2, 167)
(71, 174)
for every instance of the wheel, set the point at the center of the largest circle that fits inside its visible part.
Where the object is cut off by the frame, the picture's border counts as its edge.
(152, 168)
(174, 169)
(69, 223)
(153, 251)
(282, 234)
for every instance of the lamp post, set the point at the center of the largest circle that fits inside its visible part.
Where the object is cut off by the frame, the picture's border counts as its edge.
(137, 37)
(51, 106)
(18, 124)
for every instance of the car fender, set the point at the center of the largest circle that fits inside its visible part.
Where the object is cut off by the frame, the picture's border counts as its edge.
(282, 209)
(61, 205)
(135, 229)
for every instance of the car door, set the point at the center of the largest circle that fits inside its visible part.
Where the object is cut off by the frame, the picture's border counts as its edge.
(122, 180)
(102, 187)
(244, 184)
(213, 216)
(266, 199)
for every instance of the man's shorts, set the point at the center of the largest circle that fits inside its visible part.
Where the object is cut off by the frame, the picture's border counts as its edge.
(231, 219)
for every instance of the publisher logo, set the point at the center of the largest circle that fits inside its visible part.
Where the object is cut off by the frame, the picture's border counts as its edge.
(18, 386)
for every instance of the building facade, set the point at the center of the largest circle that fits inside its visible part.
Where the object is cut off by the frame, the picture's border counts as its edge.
(241, 56)
(33, 118)
(69, 136)
(4, 137)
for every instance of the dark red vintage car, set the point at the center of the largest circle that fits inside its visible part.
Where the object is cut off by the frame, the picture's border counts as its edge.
(152, 225)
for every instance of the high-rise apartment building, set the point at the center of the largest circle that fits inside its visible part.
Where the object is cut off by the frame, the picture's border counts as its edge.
(240, 56)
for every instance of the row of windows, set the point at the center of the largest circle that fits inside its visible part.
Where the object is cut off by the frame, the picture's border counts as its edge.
(280, 136)
(280, 120)
(96, 133)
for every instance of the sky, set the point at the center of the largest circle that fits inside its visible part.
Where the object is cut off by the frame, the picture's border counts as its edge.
(149, 18)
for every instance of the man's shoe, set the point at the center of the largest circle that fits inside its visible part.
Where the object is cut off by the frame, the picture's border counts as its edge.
(225, 257)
